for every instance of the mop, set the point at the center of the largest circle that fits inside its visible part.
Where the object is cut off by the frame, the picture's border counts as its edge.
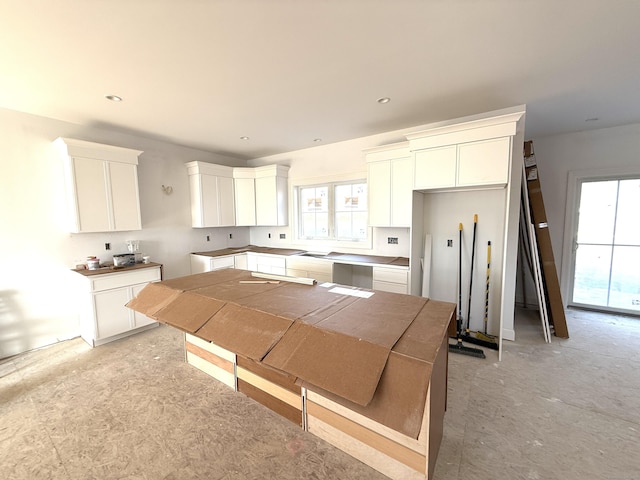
(458, 347)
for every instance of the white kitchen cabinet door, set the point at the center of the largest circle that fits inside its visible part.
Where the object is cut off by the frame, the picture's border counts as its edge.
(112, 317)
(484, 162)
(240, 261)
(394, 280)
(212, 195)
(379, 188)
(124, 196)
(435, 168)
(139, 319)
(401, 192)
(199, 263)
(90, 202)
(226, 202)
(390, 183)
(102, 183)
(245, 193)
(272, 195)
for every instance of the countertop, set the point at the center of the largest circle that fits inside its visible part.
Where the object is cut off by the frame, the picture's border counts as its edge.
(333, 256)
(111, 269)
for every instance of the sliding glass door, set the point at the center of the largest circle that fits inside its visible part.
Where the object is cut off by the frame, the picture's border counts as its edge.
(607, 249)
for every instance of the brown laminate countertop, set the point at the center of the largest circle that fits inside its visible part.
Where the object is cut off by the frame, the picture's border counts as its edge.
(111, 269)
(335, 256)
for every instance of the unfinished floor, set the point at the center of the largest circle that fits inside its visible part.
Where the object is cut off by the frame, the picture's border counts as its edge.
(133, 409)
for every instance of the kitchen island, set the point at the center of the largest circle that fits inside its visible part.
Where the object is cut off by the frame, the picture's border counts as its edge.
(362, 369)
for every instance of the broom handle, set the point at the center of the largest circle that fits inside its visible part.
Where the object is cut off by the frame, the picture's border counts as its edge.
(473, 254)
(459, 318)
(486, 295)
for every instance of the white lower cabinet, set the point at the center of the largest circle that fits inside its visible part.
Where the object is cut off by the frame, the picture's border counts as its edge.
(394, 280)
(318, 269)
(104, 316)
(240, 261)
(205, 263)
(275, 264)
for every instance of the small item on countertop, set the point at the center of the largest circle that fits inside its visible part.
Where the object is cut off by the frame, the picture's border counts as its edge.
(93, 263)
(123, 260)
(146, 259)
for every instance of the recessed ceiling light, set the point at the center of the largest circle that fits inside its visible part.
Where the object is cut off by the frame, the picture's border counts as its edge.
(384, 100)
(592, 119)
(317, 139)
(113, 98)
(244, 138)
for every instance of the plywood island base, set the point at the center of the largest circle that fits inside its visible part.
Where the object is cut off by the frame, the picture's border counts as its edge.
(306, 353)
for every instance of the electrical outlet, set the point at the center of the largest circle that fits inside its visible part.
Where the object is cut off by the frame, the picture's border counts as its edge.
(449, 243)
(392, 240)
(107, 246)
(208, 239)
(283, 236)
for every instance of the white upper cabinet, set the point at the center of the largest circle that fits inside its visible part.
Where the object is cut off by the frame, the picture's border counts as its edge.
(102, 186)
(475, 153)
(390, 178)
(484, 163)
(271, 202)
(472, 164)
(212, 195)
(244, 180)
(436, 167)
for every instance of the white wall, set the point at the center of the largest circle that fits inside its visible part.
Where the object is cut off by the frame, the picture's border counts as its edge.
(443, 212)
(593, 150)
(334, 162)
(37, 306)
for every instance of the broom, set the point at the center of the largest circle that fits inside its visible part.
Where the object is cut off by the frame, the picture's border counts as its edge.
(458, 347)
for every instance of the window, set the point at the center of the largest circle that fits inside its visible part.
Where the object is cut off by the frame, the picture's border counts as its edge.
(333, 211)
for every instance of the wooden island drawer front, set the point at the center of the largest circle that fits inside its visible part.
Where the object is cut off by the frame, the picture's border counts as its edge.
(211, 359)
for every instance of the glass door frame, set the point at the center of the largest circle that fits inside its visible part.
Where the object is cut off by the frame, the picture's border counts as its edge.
(574, 189)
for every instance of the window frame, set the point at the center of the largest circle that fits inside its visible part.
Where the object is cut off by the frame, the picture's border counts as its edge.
(330, 241)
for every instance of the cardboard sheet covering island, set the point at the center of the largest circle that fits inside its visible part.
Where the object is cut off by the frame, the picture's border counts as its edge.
(373, 355)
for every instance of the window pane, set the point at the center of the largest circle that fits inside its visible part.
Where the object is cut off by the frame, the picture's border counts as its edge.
(351, 197)
(360, 225)
(625, 279)
(322, 225)
(314, 199)
(343, 226)
(591, 282)
(628, 221)
(597, 212)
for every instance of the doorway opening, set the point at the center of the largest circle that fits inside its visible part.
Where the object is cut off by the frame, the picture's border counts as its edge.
(606, 250)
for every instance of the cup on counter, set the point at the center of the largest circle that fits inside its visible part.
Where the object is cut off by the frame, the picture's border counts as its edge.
(93, 263)
(146, 259)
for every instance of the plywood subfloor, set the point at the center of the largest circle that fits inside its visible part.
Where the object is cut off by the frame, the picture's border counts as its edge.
(134, 409)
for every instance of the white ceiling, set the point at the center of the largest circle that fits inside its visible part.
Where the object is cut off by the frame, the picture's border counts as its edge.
(203, 73)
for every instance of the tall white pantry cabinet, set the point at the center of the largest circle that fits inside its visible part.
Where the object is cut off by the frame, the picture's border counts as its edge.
(102, 186)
